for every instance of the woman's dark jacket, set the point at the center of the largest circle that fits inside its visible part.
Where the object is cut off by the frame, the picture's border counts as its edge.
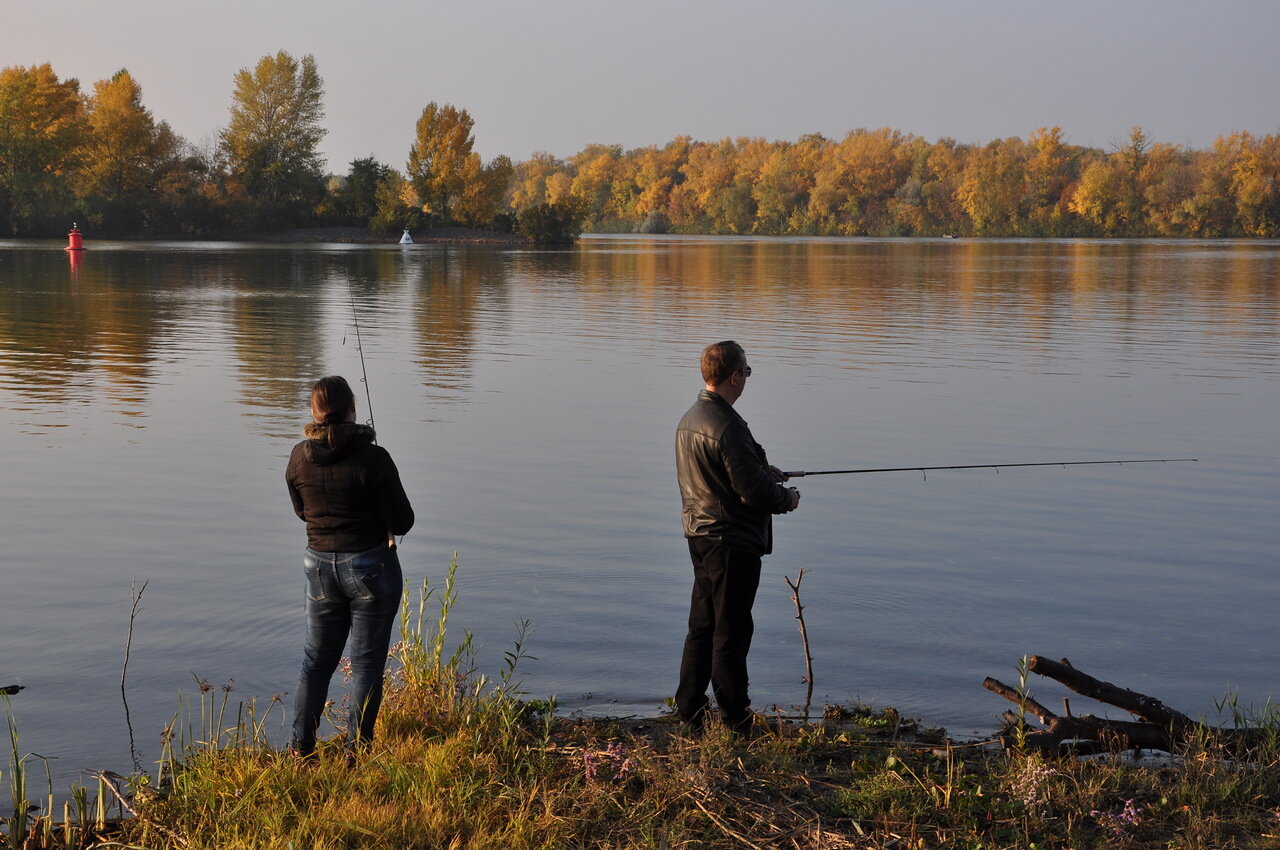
(725, 485)
(349, 496)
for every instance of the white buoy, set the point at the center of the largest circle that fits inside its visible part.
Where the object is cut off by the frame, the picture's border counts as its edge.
(406, 239)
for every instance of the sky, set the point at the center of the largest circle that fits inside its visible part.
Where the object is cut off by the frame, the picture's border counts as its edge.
(558, 75)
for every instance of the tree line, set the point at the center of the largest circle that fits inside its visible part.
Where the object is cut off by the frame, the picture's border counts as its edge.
(103, 159)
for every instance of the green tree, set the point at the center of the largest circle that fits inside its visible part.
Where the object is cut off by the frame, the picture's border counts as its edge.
(41, 125)
(551, 224)
(1133, 157)
(441, 164)
(397, 205)
(273, 138)
(356, 200)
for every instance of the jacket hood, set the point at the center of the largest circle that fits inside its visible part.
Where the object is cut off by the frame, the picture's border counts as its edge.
(347, 436)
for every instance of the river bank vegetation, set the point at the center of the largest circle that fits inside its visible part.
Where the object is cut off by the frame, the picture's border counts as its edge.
(99, 157)
(462, 761)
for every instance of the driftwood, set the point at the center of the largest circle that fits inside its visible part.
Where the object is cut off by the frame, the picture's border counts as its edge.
(1158, 727)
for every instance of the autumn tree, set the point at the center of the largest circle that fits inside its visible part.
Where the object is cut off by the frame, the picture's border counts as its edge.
(482, 198)
(1255, 182)
(1101, 197)
(1210, 211)
(118, 145)
(441, 162)
(857, 181)
(785, 183)
(272, 141)
(939, 173)
(126, 154)
(595, 170)
(1170, 178)
(1049, 175)
(716, 193)
(537, 180)
(41, 126)
(993, 187)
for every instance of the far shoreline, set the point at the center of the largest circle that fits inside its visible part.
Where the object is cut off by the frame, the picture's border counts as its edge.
(422, 236)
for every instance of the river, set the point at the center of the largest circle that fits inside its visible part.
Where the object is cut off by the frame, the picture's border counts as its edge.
(152, 392)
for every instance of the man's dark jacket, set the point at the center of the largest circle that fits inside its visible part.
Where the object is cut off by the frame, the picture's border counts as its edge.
(725, 485)
(350, 495)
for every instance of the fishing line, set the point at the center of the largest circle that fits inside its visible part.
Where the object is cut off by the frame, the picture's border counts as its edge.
(364, 375)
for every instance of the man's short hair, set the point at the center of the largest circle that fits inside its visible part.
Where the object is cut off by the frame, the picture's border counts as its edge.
(720, 360)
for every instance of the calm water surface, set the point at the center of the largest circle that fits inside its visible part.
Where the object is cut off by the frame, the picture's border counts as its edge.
(152, 394)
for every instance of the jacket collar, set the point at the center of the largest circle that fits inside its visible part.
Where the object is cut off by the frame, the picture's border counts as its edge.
(346, 437)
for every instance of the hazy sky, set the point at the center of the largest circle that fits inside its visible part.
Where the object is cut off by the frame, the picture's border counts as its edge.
(556, 75)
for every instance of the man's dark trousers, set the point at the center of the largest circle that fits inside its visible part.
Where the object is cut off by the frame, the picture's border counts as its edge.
(720, 628)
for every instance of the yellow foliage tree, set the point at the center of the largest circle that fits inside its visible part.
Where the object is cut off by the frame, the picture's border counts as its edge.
(41, 125)
(120, 149)
(529, 186)
(993, 186)
(441, 162)
(1255, 182)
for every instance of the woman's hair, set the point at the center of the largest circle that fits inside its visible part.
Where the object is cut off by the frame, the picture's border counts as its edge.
(331, 401)
(720, 360)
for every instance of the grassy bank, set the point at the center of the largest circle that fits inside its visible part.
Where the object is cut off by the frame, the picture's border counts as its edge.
(465, 761)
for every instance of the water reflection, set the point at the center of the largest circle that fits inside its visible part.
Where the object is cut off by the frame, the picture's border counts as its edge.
(452, 290)
(73, 338)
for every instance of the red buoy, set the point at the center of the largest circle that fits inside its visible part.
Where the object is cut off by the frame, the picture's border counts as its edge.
(75, 239)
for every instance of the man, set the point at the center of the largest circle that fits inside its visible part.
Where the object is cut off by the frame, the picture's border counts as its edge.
(729, 493)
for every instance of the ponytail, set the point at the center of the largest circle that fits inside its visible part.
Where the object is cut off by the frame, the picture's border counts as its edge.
(331, 401)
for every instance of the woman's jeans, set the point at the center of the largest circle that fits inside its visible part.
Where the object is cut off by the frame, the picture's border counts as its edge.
(355, 595)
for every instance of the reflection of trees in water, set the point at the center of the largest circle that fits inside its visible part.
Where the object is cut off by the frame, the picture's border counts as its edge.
(454, 289)
(277, 333)
(68, 339)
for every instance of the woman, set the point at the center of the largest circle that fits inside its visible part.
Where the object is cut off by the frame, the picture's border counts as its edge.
(348, 492)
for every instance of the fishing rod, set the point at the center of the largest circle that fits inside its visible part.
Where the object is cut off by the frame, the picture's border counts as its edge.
(364, 379)
(364, 375)
(996, 466)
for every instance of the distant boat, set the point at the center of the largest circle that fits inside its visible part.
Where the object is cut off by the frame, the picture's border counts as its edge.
(406, 239)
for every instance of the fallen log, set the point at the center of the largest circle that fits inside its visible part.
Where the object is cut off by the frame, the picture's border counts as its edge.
(1147, 708)
(1158, 727)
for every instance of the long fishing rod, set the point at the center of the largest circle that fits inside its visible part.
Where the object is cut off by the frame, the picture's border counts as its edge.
(996, 466)
(364, 375)
(364, 379)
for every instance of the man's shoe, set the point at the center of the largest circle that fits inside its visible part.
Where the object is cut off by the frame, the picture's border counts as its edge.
(696, 724)
(741, 727)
